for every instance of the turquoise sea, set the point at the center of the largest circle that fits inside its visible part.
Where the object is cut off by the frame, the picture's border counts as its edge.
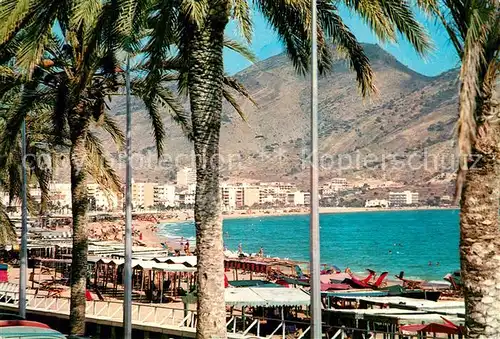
(384, 241)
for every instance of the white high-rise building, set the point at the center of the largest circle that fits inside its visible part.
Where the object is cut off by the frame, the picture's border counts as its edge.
(143, 195)
(298, 198)
(186, 177)
(403, 198)
(104, 200)
(164, 195)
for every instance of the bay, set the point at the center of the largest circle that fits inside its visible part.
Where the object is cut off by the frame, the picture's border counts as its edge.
(423, 243)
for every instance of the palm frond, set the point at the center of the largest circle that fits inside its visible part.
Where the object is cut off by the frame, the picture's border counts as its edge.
(233, 102)
(234, 84)
(374, 16)
(37, 35)
(85, 12)
(195, 11)
(99, 167)
(111, 127)
(291, 20)
(241, 13)
(240, 48)
(14, 15)
(401, 15)
(7, 228)
(346, 43)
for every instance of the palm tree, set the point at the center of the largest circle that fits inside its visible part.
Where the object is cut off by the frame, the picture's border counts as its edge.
(196, 28)
(474, 29)
(40, 170)
(70, 77)
(71, 74)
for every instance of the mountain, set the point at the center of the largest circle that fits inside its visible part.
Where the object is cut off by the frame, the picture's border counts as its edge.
(402, 134)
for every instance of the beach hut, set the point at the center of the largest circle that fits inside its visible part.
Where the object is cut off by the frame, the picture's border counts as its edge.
(155, 278)
(274, 300)
(252, 266)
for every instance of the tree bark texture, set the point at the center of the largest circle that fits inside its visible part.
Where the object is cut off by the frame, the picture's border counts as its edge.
(79, 200)
(479, 228)
(206, 71)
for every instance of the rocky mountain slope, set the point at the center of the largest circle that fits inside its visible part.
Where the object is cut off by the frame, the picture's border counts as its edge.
(402, 134)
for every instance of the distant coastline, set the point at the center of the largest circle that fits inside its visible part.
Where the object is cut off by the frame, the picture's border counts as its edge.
(240, 214)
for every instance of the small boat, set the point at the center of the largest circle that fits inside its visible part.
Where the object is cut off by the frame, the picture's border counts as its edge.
(21, 322)
(397, 290)
(30, 332)
(334, 287)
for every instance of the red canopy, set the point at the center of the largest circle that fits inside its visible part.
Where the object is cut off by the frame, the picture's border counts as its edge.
(448, 327)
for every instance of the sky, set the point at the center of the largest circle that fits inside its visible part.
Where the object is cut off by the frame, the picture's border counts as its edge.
(266, 44)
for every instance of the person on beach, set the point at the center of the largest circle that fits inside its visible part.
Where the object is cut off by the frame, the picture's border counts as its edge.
(261, 252)
(240, 249)
(186, 248)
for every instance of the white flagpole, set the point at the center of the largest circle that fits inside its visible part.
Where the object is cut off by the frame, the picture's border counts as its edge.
(23, 254)
(316, 327)
(127, 299)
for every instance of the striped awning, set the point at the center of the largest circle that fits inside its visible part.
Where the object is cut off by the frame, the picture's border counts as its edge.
(266, 297)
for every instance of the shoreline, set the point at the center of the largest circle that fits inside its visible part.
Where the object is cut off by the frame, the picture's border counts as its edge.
(242, 214)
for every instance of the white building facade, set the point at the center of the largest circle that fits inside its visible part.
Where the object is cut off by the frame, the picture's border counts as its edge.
(164, 195)
(403, 198)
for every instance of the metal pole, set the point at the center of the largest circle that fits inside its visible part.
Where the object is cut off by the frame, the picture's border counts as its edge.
(127, 299)
(23, 254)
(314, 218)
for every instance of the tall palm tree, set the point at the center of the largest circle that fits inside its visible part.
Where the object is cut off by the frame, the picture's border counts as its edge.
(39, 167)
(196, 29)
(474, 29)
(72, 74)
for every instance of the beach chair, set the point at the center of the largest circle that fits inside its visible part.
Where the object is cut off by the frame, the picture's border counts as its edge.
(360, 283)
(380, 280)
(407, 283)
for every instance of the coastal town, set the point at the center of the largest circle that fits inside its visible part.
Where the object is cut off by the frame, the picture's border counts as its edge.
(152, 196)
(249, 169)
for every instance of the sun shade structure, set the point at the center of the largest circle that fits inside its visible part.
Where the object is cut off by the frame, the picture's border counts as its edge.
(247, 265)
(189, 261)
(266, 297)
(448, 328)
(253, 283)
(152, 265)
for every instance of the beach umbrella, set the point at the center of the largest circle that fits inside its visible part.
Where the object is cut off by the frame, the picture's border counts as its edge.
(314, 217)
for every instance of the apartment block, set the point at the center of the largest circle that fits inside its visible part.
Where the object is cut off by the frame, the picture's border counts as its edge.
(143, 194)
(164, 195)
(104, 200)
(403, 198)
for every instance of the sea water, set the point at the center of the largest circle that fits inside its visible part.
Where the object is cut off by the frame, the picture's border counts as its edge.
(423, 243)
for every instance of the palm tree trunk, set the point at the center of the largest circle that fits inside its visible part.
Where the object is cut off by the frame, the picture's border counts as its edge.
(480, 233)
(206, 71)
(79, 202)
